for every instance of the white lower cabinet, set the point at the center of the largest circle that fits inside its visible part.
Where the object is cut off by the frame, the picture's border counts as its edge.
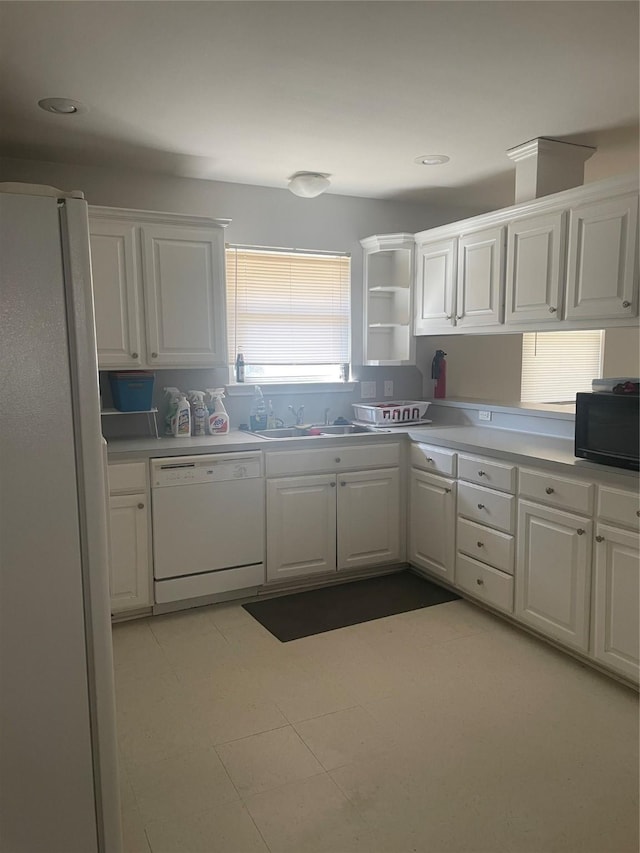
(616, 619)
(318, 524)
(129, 537)
(432, 518)
(553, 573)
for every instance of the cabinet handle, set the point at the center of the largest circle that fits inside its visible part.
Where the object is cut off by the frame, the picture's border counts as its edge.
(134, 355)
(447, 491)
(549, 490)
(599, 538)
(638, 513)
(626, 304)
(448, 316)
(480, 544)
(140, 506)
(429, 459)
(459, 316)
(342, 483)
(479, 581)
(338, 459)
(580, 531)
(552, 310)
(480, 506)
(482, 473)
(154, 355)
(333, 485)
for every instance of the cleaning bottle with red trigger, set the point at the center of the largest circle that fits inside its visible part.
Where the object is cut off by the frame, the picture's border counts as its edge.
(439, 374)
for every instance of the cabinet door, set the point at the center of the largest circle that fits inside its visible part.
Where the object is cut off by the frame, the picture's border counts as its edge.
(368, 518)
(435, 286)
(480, 299)
(129, 570)
(184, 296)
(301, 526)
(602, 276)
(535, 268)
(114, 269)
(616, 624)
(553, 573)
(432, 502)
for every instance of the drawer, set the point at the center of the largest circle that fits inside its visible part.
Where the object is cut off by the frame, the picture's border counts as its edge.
(550, 489)
(618, 506)
(335, 458)
(438, 460)
(486, 506)
(485, 583)
(487, 472)
(486, 545)
(127, 477)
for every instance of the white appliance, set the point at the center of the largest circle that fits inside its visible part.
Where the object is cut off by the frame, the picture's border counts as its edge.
(58, 755)
(208, 525)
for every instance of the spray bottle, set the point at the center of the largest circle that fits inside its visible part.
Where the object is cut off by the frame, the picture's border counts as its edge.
(199, 413)
(181, 420)
(439, 374)
(218, 421)
(172, 395)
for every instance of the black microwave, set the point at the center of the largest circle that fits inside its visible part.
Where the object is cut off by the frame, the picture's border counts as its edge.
(607, 428)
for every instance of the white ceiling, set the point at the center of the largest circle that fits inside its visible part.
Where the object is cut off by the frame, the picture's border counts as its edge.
(252, 92)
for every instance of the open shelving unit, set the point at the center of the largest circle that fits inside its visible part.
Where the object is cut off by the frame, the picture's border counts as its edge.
(388, 277)
(152, 420)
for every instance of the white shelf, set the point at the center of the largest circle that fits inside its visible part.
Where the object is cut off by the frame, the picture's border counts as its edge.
(389, 289)
(136, 412)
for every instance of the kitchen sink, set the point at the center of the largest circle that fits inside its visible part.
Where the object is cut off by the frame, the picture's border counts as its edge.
(317, 430)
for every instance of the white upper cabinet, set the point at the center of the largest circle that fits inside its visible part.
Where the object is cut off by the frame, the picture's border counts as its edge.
(535, 268)
(184, 295)
(602, 260)
(435, 286)
(159, 289)
(570, 262)
(116, 290)
(480, 290)
(388, 287)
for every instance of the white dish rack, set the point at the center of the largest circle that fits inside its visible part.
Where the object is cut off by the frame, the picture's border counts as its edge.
(390, 413)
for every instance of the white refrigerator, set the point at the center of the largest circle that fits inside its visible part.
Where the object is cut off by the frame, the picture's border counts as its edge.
(58, 754)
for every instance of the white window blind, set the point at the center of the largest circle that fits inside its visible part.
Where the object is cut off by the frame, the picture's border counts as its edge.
(288, 308)
(556, 365)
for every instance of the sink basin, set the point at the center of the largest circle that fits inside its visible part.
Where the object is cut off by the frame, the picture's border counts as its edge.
(316, 430)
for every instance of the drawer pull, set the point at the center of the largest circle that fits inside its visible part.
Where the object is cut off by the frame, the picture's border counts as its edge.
(638, 513)
(549, 490)
(626, 304)
(552, 310)
(342, 483)
(134, 355)
(447, 491)
(482, 473)
(599, 538)
(333, 485)
(479, 581)
(480, 544)
(580, 531)
(338, 459)
(140, 506)
(430, 459)
(154, 355)
(480, 506)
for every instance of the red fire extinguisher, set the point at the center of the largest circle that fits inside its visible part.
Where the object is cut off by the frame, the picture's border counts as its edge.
(439, 374)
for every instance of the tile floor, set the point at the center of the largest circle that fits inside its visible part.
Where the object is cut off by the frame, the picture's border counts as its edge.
(439, 731)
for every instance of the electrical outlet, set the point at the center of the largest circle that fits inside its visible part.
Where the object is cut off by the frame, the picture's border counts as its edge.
(368, 390)
(484, 416)
(388, 388)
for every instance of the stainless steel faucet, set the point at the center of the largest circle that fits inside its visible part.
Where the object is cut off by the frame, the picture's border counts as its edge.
(326, 416)
(299, 414)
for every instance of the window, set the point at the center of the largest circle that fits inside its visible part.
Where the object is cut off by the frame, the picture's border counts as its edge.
(556, 365)
(289, 313)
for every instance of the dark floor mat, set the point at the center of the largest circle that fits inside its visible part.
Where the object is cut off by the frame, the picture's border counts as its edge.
(302, 614)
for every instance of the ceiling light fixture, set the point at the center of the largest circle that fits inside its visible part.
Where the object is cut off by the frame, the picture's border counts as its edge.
(62, 106)
(432, 159)
(308, 184)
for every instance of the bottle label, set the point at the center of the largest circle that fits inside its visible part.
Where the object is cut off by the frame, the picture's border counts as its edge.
(218, 423)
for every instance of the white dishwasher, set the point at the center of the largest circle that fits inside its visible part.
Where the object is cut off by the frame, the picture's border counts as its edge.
(208, 525)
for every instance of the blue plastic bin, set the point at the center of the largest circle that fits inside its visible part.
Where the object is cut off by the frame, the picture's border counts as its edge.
(132, 390)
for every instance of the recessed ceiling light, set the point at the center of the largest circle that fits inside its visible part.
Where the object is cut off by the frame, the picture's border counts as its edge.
(62, 106)
(432, 159)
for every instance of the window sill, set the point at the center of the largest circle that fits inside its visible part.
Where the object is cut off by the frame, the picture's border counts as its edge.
(246, 389)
